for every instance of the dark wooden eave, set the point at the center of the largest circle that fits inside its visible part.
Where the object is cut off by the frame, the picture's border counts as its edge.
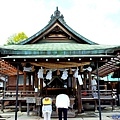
(7, 69)
(109, 67)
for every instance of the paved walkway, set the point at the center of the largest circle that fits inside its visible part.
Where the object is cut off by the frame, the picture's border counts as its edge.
(88, 115)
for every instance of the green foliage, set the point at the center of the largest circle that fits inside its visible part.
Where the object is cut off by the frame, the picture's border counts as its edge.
(15, 38)
(10, 40)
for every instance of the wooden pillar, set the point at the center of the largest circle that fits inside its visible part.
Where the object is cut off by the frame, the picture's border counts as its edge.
(17, 81)
(41, 86)
(36, 85)
(24, 85)
(74, 85)
(69, 85)
(36, 80)
(84, 81)
(67, 92)
(46, 91)
(6, 77)
(29, 81)
(44, 75)
(79, 96)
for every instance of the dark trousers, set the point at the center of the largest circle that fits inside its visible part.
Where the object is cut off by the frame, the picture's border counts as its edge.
(62, 111)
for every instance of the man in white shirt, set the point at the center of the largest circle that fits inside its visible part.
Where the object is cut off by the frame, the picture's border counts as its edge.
(94, 86)
(62, 104)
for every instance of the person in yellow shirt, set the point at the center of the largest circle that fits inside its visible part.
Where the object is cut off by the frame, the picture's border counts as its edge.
(47, 108)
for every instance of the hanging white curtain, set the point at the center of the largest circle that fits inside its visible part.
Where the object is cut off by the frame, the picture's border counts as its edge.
(79, 77)
(40, 73)
(89, 69)
(64, 75)
(76, 73)
(80, 80)
(49, 75)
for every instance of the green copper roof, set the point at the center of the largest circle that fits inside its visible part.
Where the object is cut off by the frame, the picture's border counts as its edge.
(58, 46)
(58, 49)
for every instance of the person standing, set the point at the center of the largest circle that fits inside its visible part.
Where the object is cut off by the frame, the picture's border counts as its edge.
(47, 108)
(93, 86)
(62, 104)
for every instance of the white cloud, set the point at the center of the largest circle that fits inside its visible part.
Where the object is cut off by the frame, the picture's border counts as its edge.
(93, 21)
(97, 20)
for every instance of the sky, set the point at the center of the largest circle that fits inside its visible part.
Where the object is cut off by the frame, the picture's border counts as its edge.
(96, 20)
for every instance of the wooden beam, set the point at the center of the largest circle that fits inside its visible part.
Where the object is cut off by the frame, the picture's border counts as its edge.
(58, 65)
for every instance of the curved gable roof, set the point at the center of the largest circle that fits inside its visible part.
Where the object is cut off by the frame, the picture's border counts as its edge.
(57, 18)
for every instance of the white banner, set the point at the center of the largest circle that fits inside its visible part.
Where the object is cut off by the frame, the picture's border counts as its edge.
(28, 69)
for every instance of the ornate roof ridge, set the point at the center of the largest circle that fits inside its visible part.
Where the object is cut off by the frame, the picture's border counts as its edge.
(57, 15)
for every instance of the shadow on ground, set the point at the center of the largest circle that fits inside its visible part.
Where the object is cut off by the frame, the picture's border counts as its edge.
(85, 115)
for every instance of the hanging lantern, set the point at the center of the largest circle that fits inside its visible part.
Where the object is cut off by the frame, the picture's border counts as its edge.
(44, 72)
(58, 72)
(70, 72)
